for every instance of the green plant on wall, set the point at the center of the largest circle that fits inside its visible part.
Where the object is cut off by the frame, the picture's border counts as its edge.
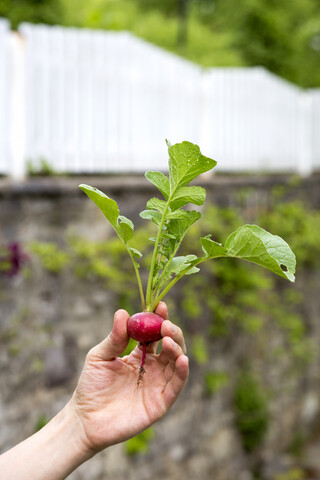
(140, 443)
(245, 298)
(41, 421)
(53, 258)
(293, 474)
(251, 411)
(214, 381)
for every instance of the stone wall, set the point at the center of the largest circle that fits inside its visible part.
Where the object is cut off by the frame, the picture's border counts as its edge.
(48, 323)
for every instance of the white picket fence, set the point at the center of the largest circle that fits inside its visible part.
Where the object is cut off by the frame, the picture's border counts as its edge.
(98, 102)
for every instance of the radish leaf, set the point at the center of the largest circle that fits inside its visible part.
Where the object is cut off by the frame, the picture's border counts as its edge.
(186, 162)
(156, 204)
(256, 245)
(108, 207)
(212, 249)
(249, 242)
(125, 228)
(160, 181)
(178, 228)
(184, 195)
(135, 252)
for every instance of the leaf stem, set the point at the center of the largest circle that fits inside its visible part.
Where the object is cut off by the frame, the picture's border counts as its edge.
(161, 279)
(154, 256)
(175, 280)
(136, 269)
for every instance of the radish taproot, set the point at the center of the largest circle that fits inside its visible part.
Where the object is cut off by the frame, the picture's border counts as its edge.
(172, 220)
(145, 327)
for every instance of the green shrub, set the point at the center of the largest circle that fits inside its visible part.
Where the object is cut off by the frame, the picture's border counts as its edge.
(51, 256)
(215, 381)
(139, 443)
(251, 411)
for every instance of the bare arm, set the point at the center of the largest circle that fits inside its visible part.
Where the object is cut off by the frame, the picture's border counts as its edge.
(107, 406)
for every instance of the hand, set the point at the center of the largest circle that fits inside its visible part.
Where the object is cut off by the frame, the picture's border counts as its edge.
(110, 404)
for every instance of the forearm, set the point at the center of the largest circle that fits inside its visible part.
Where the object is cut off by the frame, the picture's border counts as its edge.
(50, 454)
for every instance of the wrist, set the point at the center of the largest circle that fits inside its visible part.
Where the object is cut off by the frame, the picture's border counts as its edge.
(52, 453)
(69, 421)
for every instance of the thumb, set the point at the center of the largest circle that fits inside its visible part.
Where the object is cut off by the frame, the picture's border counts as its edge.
(117, 340)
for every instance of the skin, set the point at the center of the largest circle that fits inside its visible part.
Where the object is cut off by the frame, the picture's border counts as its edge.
(107, 406)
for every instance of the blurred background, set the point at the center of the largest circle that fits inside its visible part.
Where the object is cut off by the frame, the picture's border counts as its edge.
(89, 91)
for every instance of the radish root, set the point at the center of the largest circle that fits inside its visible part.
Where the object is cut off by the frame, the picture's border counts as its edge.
(141, 369)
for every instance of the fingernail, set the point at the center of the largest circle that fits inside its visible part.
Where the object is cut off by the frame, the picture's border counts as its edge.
(173, 328)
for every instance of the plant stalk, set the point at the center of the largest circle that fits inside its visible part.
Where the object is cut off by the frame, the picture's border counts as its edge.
(136, 269)
(154, 256)
(175, 280)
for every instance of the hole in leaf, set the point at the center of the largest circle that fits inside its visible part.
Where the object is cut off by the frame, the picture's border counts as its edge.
(283, 268)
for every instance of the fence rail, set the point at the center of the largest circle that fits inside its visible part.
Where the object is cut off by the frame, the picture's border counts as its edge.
(92, 102)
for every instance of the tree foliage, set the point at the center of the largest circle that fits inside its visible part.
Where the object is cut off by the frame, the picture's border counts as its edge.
(35, 11)
(281, 35)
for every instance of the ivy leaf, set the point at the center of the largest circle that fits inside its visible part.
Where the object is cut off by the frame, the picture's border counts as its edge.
(160, 181)
(184, 195)
(108, 207)
(185, 163)
(212, 249)
(156, 204)
(256, 245)
(125, 228)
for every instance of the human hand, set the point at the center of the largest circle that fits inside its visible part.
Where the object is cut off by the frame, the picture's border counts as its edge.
(110, 404)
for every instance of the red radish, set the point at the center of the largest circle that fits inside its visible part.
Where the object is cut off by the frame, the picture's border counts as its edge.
(145, 327)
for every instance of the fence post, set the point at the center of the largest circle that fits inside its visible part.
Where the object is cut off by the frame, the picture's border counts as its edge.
(305, 153)
(17, 107)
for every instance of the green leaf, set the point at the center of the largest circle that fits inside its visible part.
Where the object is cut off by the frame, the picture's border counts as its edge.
(212, 249)
(135, 252)
(256, 245)
(178, 264)
(168, 235)
(192, 270)
(152, 215)
(157, 204)
(184, 195)
(108, 207)
(178, 228)
(185, 163)
(125, 228)
(122, 225)
(160, 181)
(177, 214)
